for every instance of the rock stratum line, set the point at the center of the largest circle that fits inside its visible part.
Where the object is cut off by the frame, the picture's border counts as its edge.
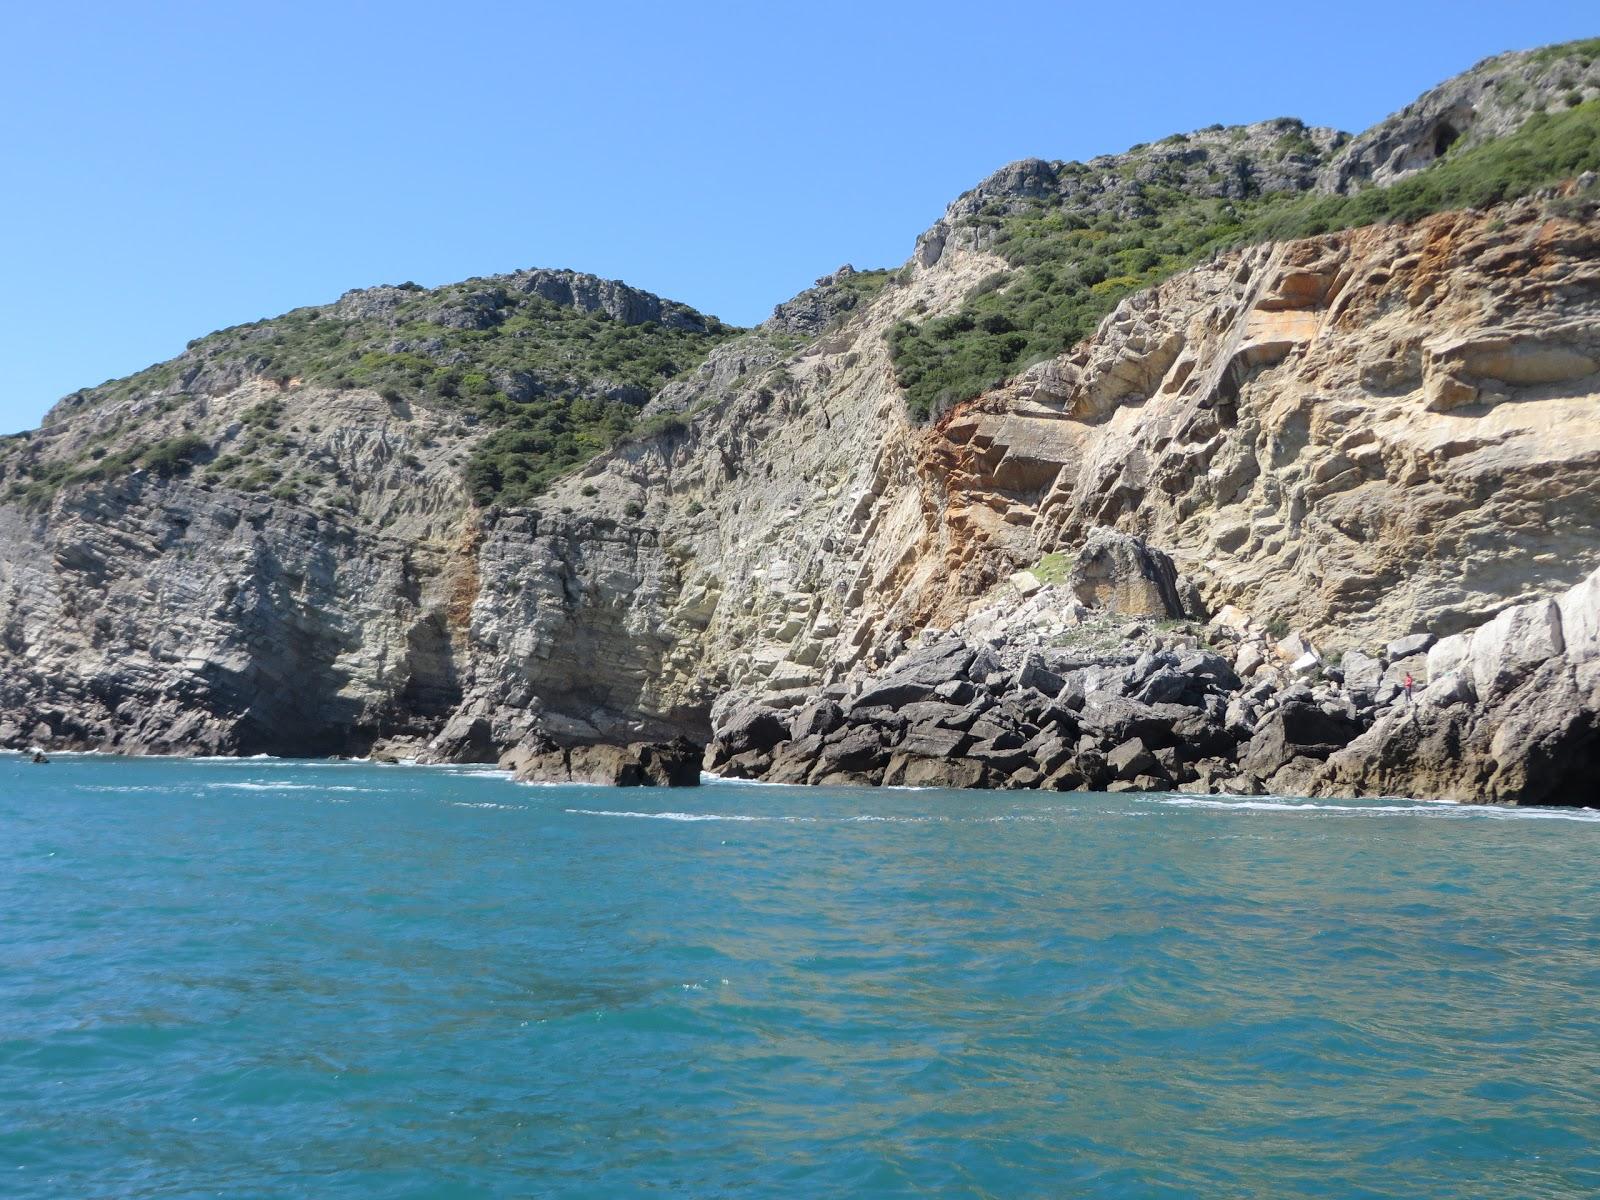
(554, 522)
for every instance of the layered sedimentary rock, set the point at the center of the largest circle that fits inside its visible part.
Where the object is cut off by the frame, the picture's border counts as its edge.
(1348, 440)
(146, 613)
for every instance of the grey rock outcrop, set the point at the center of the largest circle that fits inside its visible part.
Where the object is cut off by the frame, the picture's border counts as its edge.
(642, 764)
(995, 710)
(1514, 719)
(819, 308)
(1490, 100)
(1512, 714)
(1120, 573)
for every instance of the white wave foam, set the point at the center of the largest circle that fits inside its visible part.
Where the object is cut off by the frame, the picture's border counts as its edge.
(248, 786)
(707, 779)
(454, 770)
(1283, 805)
(1588, 816)
(1420, 808)
(681, 816)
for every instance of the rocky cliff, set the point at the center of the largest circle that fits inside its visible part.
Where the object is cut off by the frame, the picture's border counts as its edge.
(399, 537)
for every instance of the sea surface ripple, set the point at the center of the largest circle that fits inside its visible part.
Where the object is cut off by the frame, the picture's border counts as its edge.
(281, 978)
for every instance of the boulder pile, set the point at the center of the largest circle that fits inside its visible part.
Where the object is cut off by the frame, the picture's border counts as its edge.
(1162, 711)
(1218, 707)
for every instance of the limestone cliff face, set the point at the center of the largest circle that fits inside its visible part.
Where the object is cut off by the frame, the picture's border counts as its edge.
(750, 546)
(1357, 436)
(146, 613)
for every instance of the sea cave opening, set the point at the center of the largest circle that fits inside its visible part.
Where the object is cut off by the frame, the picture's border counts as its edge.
(1444, 136)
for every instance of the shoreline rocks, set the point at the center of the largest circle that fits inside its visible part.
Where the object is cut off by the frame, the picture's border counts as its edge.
(641, 764)
(1509, 712)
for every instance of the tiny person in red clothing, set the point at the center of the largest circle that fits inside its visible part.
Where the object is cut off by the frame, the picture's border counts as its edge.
(1410, 683)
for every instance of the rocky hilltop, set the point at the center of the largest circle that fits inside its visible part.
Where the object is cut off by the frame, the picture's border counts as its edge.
(1164, 470)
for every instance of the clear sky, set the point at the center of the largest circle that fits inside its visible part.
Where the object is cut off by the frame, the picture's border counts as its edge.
(169, 169)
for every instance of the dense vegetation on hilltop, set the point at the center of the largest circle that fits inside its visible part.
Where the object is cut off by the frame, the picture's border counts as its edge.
(1072, 270)
(552, 383)
(1549, 148)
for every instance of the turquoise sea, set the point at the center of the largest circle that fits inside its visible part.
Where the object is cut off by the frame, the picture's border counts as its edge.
(299, 979)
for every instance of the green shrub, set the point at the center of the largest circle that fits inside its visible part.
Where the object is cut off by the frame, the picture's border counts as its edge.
(173, 456)
(1544, 151)
(665, 424)
(580, 376)
(263, 414)
(1067, 277)
(1583, 52)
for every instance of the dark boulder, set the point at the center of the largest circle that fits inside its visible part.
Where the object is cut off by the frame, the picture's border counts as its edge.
(1171, 686)
(820, 717)
(1296, 729)
(1131, 759)
(907, 770)
(1000, 759)
(998, 734)
(956, 691)
(1033, 673)
(1115, 719)
(1049, 752)
(793, 761)
(748, 726)
(752, 764)
(893, 691)
(890, 719)
(933, 712)
(934, 741)
(853, 749)
(918, 674)
(1091, 766)
(1201, 735)
(1212, 668)
(642, 764)
(669, 764)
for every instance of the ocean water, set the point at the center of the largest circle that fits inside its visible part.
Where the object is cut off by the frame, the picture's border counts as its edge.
(286, 979)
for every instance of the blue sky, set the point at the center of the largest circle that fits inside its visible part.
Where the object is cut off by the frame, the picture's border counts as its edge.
(170, 169)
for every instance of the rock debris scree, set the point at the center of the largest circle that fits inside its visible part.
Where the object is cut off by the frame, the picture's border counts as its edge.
(1508, 712)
